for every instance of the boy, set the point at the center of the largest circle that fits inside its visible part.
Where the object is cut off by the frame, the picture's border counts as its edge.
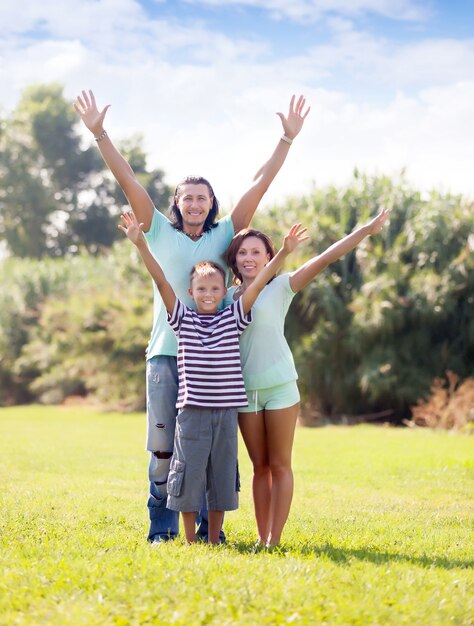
(211, 387)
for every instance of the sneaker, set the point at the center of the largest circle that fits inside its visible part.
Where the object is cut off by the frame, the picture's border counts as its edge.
(158, 541)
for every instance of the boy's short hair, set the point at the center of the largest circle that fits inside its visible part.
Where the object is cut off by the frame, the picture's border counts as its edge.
(206, 268)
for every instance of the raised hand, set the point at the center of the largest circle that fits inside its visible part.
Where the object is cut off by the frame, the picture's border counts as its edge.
(375, 225)
(132, 228)
(293, 123)
(295, 236)
(90, 114)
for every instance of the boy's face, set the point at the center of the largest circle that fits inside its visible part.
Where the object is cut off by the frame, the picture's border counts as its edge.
(207, 292)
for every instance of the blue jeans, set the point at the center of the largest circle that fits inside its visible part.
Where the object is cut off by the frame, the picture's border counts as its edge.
(161, 394)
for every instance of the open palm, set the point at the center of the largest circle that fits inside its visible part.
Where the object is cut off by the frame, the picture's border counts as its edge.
(131, 227)
(293, 123)
(91, 116)
(379, 220)
(295, 236)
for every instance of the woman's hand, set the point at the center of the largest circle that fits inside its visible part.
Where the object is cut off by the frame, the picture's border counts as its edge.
(132, 228)
(295, 120)
(90, 114)
(375, 225)
(295, 236)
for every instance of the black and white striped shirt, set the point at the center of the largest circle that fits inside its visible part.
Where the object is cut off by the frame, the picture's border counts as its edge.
(209, 368)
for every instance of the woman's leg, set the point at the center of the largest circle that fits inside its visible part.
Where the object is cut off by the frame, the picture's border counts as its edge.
(252, 427)
(280, 430)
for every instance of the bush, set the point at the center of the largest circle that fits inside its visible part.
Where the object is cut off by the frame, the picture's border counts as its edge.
(371, 332)
(450, 405)
(81, 328)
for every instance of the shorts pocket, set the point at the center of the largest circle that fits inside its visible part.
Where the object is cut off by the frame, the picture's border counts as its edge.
(188, 424)
(175, 478)
(230, 425)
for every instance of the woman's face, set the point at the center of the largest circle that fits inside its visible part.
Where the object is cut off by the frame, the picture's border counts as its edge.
(251, 257)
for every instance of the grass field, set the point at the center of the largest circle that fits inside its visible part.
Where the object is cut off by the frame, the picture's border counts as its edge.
(380, 531)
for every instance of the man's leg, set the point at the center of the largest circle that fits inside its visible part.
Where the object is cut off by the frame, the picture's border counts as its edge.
(162, 391)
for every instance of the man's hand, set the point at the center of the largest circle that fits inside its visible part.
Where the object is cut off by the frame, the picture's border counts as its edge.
(90, 114)
(295, 120)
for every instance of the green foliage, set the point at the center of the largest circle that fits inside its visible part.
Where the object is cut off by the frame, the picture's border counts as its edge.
(380, 532)
(56, 197)
(369, 334)
(374, 329)
(75, 326)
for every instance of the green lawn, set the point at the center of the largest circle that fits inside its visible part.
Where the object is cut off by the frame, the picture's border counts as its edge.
(380, 531)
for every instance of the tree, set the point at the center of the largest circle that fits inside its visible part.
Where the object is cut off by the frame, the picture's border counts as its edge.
(375, 328)
(57, 197)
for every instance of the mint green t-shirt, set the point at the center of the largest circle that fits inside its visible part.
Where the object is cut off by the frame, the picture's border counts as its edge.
(264, 352)
(177, 254)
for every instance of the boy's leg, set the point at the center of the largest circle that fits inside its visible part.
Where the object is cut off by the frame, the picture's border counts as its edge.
(187, 476)
(189, 523)
(202, 520)
(222, 469)
(162, 391)
(216, 519)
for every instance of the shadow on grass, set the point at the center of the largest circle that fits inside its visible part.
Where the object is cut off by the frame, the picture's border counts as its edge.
(344, 556)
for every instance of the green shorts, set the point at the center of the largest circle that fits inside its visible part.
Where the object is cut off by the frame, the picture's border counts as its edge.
(272, 398)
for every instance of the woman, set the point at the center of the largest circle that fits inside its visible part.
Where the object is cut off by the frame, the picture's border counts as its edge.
(268, 423)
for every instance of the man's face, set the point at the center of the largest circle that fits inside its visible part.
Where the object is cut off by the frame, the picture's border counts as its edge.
(194, 203)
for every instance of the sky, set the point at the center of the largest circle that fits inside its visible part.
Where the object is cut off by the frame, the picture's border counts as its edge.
(390, 84)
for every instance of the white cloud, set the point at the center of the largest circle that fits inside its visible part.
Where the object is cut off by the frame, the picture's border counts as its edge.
(369, 58)
(213, 110)
(431, 61)
(302, 10)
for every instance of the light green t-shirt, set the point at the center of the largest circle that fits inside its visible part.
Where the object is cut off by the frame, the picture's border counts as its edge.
(177, 254)
(264, 352)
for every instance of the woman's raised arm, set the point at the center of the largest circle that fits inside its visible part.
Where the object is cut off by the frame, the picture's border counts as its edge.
(309, 270)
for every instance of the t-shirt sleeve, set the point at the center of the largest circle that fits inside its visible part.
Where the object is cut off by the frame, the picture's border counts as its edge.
(157, 224)
(242, 320)
(176, 316)
(228, 227)
(286, 292)
(229, 297)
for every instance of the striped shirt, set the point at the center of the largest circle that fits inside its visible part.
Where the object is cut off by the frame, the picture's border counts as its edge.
(209, 370)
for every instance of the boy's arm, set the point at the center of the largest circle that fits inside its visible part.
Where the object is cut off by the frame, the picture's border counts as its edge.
(137, 195)
(305, 274)
(295, 236)
(245, 208)
(134, 233)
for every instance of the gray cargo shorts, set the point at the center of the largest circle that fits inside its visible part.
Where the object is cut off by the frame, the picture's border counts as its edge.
(204, 456)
